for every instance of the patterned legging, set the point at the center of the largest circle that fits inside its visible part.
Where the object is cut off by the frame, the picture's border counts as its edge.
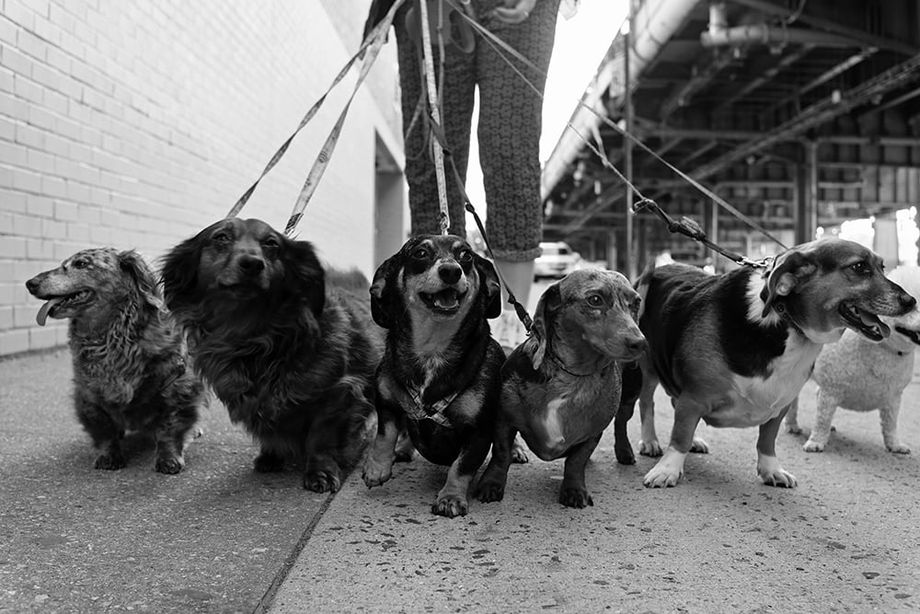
(510, 122)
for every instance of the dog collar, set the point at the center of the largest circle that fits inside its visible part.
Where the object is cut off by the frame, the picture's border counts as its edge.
(784, 315)
(562, 366)
(419, 410)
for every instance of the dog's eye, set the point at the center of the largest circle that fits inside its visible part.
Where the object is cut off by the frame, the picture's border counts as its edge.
(595, 300)
(420, 253)
(465, 256)
(271, 243)
(80, 264)
(221, 238)
(862, 268)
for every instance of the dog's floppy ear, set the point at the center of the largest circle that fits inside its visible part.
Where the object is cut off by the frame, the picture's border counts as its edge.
(544, 318)
(131, 263)
(384, 301)
(788, 270)
(489, 287)
(303, 272)
(180, 270)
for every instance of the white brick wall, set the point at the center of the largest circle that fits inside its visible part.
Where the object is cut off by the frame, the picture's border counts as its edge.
(134, 124)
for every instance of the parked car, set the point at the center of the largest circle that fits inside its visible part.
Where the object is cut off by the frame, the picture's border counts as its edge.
(557, 260)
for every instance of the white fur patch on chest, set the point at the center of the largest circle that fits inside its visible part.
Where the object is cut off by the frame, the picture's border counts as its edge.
(757, 399)
(552, 424)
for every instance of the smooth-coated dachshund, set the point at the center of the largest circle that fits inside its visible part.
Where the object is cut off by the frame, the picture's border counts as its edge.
(561, 387)
(734, 350)
(439, 377)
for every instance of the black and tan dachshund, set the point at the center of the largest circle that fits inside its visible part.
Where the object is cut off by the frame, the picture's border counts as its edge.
(439, 377)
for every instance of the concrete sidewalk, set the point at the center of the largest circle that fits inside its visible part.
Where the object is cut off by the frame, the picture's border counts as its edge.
(220, 538)
(73, 539)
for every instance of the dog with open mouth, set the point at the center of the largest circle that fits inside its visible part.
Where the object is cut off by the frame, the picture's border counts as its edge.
(734, 350)
(131, 368)
(860, 374)
(440, 374)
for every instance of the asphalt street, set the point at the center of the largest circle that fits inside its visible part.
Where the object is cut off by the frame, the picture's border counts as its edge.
(220, 538)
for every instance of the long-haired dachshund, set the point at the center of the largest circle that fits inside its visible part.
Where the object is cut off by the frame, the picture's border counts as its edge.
(561, 387)
(288, 348)
(439, 376)
(735, 350)
(130, 366)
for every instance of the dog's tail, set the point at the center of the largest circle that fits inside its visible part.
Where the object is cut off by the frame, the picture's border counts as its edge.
(643, 276)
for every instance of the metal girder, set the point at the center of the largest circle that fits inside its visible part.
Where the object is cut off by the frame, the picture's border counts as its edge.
(702, 76)
(819, 113)
(768, 75)
(847, 64)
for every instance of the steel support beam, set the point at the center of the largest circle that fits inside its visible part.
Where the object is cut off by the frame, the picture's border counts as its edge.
(817, 114)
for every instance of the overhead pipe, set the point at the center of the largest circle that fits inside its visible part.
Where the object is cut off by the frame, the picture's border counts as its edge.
(719, 34)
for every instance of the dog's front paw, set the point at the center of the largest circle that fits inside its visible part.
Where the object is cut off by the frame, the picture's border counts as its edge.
(110, 462)
(813, 446)
(898, 448)
(793, 427)
(575, 497)
(169, 465)
(322, 481)
(376, 473)
(667, 472)
(268, 462)
(650, 448)
(450, 506)
(772, 474)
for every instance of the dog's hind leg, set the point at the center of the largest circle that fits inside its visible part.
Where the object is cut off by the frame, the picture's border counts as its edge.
(491, 485)
(453, 499)
(648, 444)
(574, 492)
(629, 394)
(519, 452)
(405, 451)
(173, 436)
(768, 467)
(888, 416)
(792, 418)
(670, 467)
(169, 449)
(824, 417)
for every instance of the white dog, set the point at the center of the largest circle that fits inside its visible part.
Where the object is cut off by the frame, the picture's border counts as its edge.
(859, 375)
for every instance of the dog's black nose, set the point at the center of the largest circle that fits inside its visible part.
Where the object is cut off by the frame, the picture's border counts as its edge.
(636, 345)
(450, 273)
(251, 265)
(908, 301)
(32, 284)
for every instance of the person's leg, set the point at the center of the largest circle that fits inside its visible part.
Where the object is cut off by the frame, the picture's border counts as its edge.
(510, 123)
(456, 116)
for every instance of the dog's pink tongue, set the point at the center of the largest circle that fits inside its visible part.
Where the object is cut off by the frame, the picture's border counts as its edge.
(43, 312)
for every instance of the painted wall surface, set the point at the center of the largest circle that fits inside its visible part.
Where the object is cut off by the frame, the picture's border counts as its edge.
(135, 123)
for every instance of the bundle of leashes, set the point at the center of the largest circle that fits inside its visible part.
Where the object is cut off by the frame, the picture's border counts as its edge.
(380, 19)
